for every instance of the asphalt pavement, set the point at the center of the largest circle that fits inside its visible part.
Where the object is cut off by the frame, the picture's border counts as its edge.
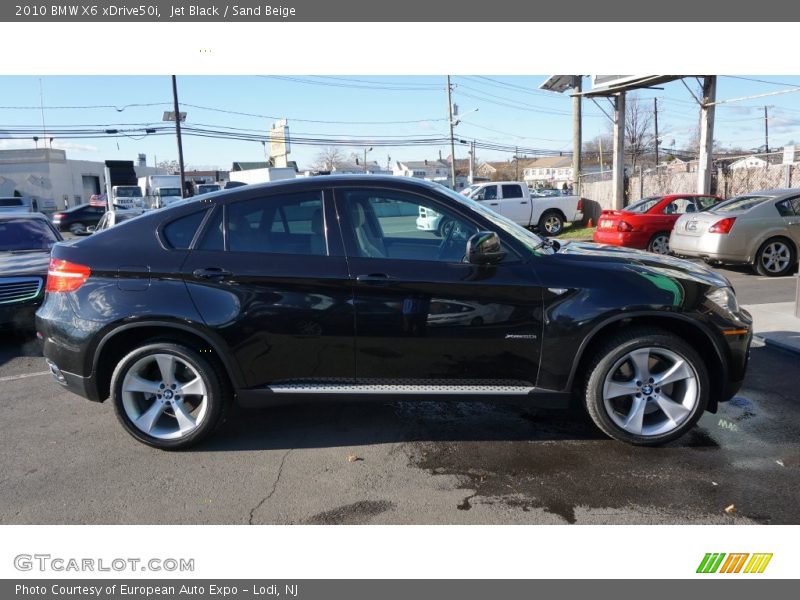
(64, 459)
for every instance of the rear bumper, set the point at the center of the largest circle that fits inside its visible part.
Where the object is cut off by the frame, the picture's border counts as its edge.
(628, 239)
(708, 246)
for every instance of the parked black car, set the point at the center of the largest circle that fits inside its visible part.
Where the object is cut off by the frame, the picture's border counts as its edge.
(78, 218)
(325, 286)
(25, 242)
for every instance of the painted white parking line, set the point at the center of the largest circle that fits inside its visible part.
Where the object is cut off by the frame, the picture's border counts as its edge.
(23, 376)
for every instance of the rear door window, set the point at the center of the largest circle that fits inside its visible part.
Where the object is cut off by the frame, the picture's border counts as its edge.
(281, 224)
(512, 191)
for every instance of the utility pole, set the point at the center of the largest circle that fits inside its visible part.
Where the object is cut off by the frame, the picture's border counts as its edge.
(618, 175)
(766, 130)
(600, 144)
(178, 134)
(655, 120)
(576, 134)
(516, 162)
(706, 163)
(452, 139)
(472, 162)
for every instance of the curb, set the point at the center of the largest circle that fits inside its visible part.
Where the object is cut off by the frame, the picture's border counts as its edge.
(777, 344)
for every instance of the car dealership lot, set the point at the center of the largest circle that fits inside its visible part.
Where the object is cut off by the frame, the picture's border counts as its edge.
(65, 460)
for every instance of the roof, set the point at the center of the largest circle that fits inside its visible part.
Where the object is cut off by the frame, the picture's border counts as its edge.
(548, 162)
(247, 166)
(422, 164)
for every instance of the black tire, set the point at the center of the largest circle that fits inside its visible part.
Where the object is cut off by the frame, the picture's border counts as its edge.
(445, 227)
(787, 252)
(551, 223)
(661, 343)
(659, 243)
(75, 228)
(215, 398)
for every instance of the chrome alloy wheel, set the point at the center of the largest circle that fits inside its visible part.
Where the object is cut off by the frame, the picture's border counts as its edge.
(164, 396)
(660, 244)
(775, 257)
(552, 225)
(650, 391)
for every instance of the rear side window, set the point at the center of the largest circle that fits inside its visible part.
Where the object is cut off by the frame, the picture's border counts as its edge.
(180, 232)
(789, 207)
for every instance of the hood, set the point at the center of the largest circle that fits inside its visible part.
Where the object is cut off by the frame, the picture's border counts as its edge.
(656, 264)
(24, 262)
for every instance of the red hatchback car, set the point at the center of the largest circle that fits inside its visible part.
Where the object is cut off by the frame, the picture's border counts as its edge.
(647, 223)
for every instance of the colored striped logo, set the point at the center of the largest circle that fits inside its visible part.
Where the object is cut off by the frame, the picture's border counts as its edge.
(719, 562)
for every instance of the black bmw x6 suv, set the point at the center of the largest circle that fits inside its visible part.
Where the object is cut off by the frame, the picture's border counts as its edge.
(329, 286)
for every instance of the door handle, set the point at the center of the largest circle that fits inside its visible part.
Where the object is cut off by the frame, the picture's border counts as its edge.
(211, 273)
(375, 279)
(524, 202)
(493, 203)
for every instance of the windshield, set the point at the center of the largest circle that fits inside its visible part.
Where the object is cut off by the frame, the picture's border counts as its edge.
(11, 202)
(643, 205)
(26, 234)
(741, 203)
(530, 240)
(129, 192)
(169, 191)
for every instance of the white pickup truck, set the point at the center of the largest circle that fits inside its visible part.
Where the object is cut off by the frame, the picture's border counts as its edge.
(513, 200)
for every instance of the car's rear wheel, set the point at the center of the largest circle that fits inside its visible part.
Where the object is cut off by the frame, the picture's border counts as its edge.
(76, 228)
(551, 223)
(646, 387)
(167, 395)
(775, 257)
(659, 243)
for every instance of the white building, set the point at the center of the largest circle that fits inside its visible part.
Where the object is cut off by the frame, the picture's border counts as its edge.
(749, 162)
(432, 170)
(55, 182)
(549, 170)
(351, 168)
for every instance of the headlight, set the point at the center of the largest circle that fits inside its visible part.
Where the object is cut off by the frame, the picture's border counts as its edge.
(724, 298)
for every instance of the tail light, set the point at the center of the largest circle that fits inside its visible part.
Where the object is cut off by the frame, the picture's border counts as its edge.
(624, 226)
(64, 276)
(58, 216)
(580, 204)
(723, 226)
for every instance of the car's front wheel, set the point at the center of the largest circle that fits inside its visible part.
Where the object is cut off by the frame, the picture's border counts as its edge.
(646, 387)
(76, 228)
(167, 395)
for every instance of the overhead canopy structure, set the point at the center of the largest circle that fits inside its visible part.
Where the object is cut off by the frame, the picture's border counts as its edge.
(615, 87)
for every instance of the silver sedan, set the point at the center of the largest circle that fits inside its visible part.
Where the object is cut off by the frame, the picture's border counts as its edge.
(761, 229)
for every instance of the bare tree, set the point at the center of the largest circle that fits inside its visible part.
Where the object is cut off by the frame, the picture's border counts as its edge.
(639, 138)
(328, 158)
(171, 166)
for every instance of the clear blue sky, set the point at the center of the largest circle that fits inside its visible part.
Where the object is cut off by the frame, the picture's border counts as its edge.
(511, 111)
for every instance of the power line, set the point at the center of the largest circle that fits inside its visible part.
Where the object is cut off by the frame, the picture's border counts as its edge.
(760, 80)
(327, 122)
(407, 88)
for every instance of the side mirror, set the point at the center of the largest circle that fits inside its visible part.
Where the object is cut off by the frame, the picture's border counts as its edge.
(484, 248)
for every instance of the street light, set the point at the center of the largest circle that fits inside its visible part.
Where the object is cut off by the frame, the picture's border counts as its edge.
(366, 171)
